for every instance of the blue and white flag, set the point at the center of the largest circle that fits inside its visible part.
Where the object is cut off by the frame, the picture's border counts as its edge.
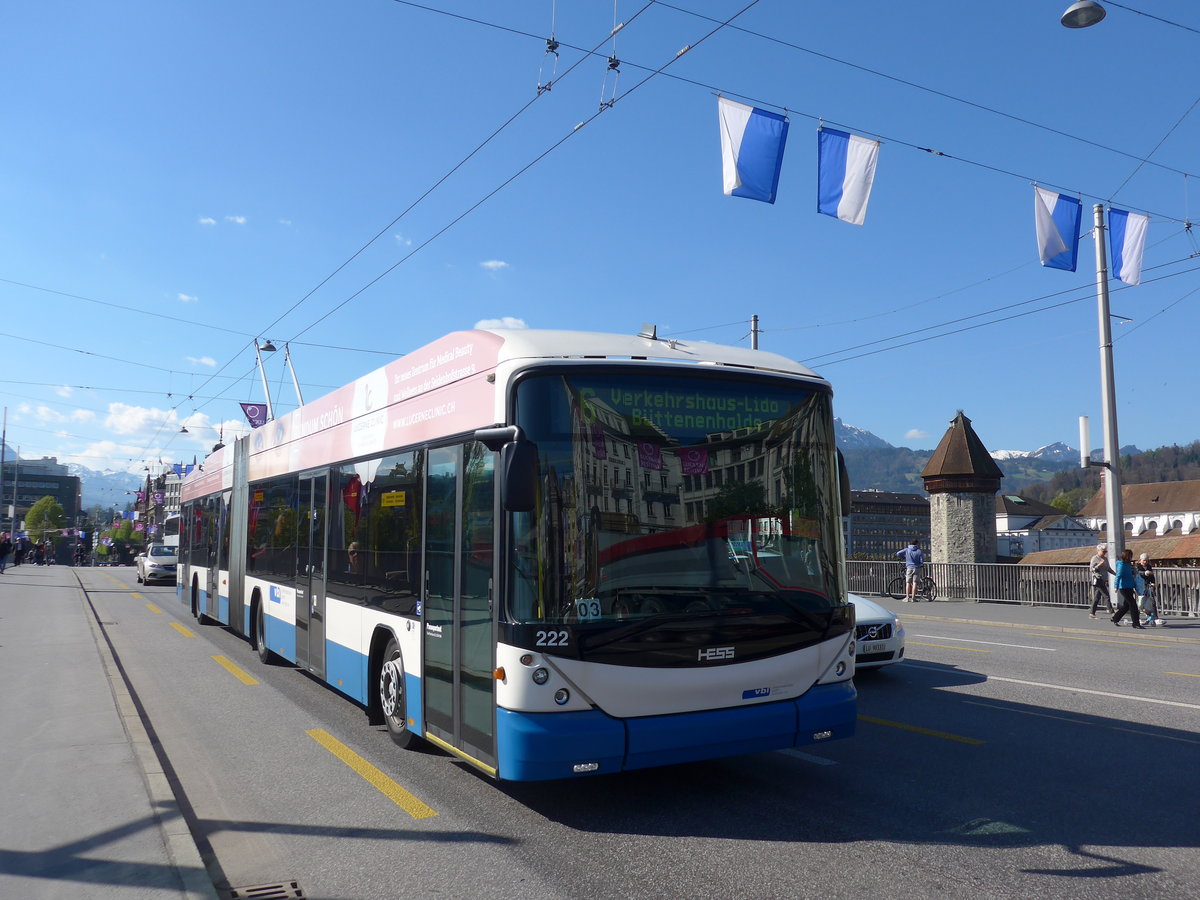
(1057, 219)
(1127, 241)
(845, 173)
(751, 150)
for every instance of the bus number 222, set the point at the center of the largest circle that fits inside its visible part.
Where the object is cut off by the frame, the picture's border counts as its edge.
(552, 638)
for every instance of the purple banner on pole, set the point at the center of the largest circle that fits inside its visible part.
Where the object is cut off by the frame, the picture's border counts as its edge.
(256, 414)
(649, 455)
(695, 461)
(599, 448)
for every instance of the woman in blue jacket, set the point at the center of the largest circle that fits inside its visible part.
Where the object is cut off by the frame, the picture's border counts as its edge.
(1126, 582)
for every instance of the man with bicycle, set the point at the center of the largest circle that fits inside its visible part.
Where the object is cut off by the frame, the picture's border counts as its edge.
(914, 560)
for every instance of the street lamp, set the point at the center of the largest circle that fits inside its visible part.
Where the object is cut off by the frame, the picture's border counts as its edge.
(259, 350)
(1083, 14)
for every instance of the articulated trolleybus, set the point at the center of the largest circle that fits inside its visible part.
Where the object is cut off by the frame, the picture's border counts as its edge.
(549, 553)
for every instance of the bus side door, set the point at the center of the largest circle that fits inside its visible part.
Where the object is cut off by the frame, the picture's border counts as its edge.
(311, 572)
(459, 638)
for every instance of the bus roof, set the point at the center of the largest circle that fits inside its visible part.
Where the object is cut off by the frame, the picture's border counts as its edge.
(520, 343)
(446, 387)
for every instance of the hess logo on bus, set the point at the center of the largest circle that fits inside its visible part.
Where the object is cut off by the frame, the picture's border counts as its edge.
(714, 654)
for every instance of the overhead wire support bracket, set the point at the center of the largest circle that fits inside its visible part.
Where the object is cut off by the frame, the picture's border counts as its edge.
(607, 99)
(551, 50)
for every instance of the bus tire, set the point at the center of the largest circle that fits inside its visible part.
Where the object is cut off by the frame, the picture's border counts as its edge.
(393, 704)
(258, 632)
(201, 618)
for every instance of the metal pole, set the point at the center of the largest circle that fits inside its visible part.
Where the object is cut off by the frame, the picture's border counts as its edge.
(266, 390)
(754, 332)
(1108, 398)
(3, 448)
(287, 358)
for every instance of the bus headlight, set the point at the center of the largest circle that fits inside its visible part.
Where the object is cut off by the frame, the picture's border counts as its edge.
(840, 670)
(561, 696)
(540, 676)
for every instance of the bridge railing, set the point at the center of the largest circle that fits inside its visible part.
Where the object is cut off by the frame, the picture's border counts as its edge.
(1177, 590)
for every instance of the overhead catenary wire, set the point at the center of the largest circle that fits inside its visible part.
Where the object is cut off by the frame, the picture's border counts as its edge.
(523, 170)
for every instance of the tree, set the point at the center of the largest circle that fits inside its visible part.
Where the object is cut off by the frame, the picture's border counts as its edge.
(45, 515)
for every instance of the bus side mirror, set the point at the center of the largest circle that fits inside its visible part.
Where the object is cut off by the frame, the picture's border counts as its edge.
(843, 483)
(518, 476)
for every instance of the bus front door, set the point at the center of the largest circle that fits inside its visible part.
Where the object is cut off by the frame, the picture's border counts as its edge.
(310, 581)
(459, 648)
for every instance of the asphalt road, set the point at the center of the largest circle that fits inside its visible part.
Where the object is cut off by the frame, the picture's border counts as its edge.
(996, 762)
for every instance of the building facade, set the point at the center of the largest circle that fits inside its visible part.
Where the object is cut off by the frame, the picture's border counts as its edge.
(880, 523)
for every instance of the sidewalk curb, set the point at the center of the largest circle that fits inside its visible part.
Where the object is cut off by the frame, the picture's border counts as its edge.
(1064, 629)
(177, 837)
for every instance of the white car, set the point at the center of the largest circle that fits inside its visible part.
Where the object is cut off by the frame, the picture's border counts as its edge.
(879, 633)
(157, 563)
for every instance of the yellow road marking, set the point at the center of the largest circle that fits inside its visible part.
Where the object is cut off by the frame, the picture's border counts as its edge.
(232, 668)
(372, 775)
(1184, 674)
(153, 608)
(136, 596)
(1065, 637)
(974, 742)
(947, 647)
(1026, 712)
(182, 630)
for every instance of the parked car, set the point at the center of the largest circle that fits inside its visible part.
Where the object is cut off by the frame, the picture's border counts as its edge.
(879, 633)
(156, 563)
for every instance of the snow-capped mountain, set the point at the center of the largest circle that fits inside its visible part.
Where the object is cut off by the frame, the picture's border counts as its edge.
(850, 437)
(106, 488)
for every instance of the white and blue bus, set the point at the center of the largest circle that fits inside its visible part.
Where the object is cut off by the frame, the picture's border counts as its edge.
(549, 553)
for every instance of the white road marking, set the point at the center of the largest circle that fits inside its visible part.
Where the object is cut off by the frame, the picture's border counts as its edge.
(1062, 687)
(942, 637)
(808, 757)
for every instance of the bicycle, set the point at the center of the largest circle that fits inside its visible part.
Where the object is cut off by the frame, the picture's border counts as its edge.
(926, 588)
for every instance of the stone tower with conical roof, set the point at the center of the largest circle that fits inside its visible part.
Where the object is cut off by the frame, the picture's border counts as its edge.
(962, 480)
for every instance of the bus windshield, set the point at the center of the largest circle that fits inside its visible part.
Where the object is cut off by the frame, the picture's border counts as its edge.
(676, 495)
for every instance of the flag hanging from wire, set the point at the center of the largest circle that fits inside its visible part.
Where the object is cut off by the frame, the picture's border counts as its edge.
(1057, 220)
(1127, 242)
(845, 174)
(752, 143)
(256, 414)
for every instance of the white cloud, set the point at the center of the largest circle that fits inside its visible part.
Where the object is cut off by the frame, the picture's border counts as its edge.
(24, 408)
(186, 298)
(207, 220)
(64, 390)
(494, 265)
(236, 220)
(83, 415)
(285, 221)
(46, 414)
(916, 434)
(503, 322)
(402, 240)
(202, 361)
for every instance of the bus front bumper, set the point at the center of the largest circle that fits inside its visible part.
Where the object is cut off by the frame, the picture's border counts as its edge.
(543, 746)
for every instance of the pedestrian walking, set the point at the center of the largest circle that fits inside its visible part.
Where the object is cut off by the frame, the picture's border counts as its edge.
(1100, 572)
(1126, 582)
(1146, 594)
(913, 561)
(5, 550)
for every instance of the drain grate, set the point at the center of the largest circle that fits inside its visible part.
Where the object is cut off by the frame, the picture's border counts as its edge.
(285, 890)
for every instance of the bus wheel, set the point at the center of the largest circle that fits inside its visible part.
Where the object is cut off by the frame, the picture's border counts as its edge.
(259, 635)
(391, 696)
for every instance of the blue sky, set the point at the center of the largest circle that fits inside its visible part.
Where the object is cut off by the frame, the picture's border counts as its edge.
(179, 177)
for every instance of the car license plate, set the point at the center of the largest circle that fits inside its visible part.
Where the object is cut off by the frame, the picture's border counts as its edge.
(875, 647)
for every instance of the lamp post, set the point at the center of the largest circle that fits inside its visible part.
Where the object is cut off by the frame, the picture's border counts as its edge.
(1080, 15)
(259, 350)
(1108, 399)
